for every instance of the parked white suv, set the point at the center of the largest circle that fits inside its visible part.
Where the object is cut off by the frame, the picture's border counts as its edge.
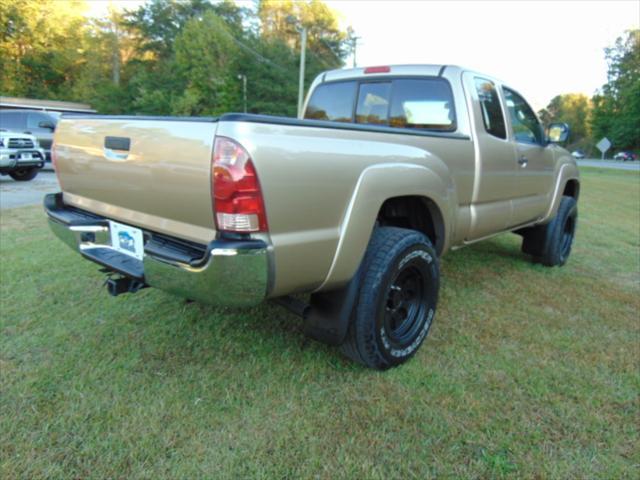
(20, 156)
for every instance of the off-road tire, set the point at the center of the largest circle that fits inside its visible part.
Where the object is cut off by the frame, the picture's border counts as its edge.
(551, 244)
(24, 174)
(396, 301)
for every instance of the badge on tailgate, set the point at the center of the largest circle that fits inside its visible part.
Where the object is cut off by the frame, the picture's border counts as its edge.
(127, 240)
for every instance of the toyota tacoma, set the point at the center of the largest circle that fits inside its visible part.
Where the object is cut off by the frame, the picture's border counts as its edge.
(353, 204)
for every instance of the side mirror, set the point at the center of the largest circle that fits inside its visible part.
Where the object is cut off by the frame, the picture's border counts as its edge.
(558, 133)
(47, 124)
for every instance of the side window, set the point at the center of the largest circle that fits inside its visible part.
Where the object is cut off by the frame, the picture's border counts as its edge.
(332, 101)
(525, 125)
(12, 120)
(423, 103)
(490, 106)
(34, 119)
(373, 103)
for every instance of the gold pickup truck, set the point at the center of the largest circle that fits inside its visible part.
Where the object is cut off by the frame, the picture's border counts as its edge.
(389, 168)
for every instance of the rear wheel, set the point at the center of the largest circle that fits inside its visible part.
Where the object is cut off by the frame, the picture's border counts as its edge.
(551, 244)
(24, 174)
(396, 301)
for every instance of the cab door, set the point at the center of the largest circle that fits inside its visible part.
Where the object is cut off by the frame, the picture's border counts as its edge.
(495, 160)
(535, 160)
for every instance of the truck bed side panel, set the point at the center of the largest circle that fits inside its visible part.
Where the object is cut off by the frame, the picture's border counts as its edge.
(309, 176)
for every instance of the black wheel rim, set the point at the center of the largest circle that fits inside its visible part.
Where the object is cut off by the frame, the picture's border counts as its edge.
(567, 236)
(405, 305)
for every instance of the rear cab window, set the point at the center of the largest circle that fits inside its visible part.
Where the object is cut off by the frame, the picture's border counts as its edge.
(333, 102)
(414, 103)
(373, 103)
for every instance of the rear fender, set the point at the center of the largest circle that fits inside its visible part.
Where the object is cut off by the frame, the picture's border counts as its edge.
(376, 184)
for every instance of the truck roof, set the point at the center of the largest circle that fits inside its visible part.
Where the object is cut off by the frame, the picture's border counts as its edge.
(425, 70)
(395, 70)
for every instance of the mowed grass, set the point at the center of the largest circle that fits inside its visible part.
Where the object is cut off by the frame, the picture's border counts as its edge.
(528, 372)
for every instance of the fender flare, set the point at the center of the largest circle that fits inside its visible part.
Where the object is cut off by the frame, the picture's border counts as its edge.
(375, 185)
(566, 173)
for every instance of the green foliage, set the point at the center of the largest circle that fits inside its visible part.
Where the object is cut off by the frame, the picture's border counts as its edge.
(571, 108)
(41, 46)
(616, 108)
(166, 57)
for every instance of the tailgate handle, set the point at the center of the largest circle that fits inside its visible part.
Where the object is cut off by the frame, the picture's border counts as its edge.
(117, 143)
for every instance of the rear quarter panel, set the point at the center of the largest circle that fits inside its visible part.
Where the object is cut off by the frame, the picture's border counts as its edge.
(324, 187)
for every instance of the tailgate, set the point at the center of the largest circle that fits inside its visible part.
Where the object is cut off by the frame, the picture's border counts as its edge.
(152, 173)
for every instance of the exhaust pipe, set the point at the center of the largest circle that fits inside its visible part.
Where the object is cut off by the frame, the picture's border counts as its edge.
(117, 286)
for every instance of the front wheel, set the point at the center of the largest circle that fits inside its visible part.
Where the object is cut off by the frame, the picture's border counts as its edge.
(396, 301)
(24, 174)
(551, 244)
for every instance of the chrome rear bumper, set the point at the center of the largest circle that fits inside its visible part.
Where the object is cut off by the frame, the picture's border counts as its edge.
(231, 273)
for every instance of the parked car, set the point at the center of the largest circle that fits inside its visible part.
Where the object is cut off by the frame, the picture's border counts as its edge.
(578, 154)
(624, 156)
(40, 124)
(20, 156)
(354, 204)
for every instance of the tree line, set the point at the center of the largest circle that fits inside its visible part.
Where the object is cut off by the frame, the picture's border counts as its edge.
(167, 57)
(614, 111)
(170, 57)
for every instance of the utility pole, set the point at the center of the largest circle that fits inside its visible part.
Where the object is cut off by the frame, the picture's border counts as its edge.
(293, 21)
(244, 90)
(353, 40)
(303, 48)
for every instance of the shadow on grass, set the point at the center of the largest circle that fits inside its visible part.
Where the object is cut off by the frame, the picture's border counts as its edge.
(269, 331)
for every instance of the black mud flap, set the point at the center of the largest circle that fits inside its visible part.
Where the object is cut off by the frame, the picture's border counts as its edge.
(330, 312)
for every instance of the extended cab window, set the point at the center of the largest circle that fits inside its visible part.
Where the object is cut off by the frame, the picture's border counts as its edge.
(490, 106)
(333, 102)
(524, 123)
(422, 103)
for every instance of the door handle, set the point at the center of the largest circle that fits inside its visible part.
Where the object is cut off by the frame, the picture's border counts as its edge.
(522, 161)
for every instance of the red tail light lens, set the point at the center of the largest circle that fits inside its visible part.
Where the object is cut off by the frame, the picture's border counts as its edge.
(237, 198)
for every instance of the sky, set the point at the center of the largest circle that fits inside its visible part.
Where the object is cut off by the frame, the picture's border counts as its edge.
(540, 48)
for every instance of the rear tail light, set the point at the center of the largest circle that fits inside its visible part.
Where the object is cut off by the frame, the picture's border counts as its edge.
(237, 198)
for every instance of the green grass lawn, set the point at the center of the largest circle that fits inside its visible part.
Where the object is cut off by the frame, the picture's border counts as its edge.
(528, 371)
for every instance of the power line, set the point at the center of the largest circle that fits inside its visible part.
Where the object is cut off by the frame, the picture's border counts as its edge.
(256, 54)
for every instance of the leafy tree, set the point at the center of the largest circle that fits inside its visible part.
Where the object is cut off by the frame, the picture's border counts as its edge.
(104, 77)
(41, 46)
(571, 108)
(209, 72)
(616, 108)
(282, 20)
(166, 57)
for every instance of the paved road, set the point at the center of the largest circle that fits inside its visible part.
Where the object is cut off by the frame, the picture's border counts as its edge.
(17, 194)
(633, 166)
